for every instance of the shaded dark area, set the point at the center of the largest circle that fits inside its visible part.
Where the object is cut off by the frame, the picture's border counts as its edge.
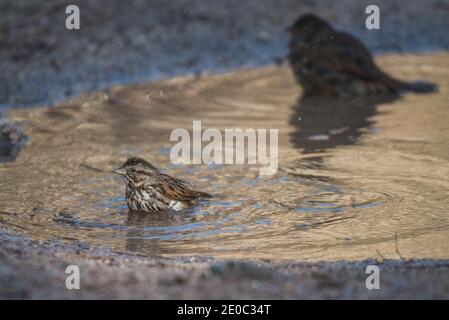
(327, 123)
(11, 139)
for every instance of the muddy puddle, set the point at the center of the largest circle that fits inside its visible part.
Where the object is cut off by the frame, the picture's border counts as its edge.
(366, 178)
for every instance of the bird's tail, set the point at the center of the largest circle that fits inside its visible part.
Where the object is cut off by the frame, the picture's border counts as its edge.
(201, 194)
(419, 86)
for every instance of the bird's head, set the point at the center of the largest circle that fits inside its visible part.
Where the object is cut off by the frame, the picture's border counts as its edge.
(136, 170)
(308, 25)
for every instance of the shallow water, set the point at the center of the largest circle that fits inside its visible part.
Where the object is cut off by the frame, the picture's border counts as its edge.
(367, 178)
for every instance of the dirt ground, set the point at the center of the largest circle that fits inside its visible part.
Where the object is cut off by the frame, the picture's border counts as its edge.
(108, 276)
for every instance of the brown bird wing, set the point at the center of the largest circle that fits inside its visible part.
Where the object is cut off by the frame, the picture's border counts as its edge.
(176, 189)
(347, 54)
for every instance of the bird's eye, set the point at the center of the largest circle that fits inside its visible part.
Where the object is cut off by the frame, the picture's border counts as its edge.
(132, 170)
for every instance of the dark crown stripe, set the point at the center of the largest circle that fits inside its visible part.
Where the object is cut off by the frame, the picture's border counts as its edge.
(132, 161)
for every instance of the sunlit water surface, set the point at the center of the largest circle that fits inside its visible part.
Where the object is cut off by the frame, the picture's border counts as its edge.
(367, 178)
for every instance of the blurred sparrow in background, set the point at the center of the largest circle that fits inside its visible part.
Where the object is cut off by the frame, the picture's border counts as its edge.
(331, 63)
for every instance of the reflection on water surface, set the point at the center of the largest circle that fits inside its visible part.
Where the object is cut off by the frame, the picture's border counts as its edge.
(352, 173)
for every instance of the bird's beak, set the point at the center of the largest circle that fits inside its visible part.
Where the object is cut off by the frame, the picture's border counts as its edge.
(120, 171)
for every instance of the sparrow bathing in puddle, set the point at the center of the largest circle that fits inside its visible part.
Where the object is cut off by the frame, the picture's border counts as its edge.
(149, 190)
(327, 62)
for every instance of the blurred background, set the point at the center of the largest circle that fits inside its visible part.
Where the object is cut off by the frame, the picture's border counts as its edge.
(136, 40)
